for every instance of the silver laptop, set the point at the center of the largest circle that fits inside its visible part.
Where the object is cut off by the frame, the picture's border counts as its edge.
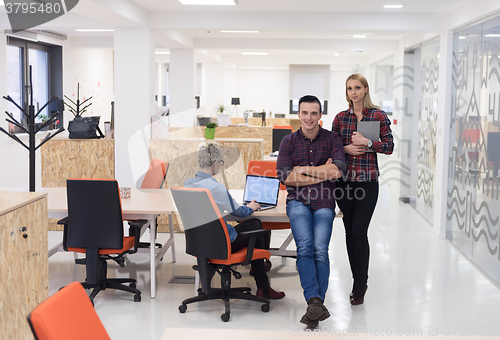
(263, 189)
(370, 130)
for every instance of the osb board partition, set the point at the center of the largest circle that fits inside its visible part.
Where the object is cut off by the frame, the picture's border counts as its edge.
(263, 132)
(183, 164)
(63, 159)
(270, 122)
(23, 267)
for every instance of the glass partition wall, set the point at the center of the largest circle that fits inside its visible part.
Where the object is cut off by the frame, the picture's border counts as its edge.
(473, 207)
(427, 127)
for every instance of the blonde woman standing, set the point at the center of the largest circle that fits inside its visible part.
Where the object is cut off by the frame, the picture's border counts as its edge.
(357, 191)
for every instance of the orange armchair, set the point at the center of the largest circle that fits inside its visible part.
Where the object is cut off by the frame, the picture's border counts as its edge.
(68, 314)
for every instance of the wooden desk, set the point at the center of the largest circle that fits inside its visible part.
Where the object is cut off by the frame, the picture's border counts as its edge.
(143, 204)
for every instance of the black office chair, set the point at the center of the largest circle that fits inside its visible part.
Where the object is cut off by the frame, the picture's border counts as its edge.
(94, 226)
(207, 238)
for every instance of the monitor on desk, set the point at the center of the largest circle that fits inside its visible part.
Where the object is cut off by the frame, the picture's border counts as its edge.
(278, 135)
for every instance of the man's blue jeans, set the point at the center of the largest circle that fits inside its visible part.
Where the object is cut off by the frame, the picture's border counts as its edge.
(312, 230)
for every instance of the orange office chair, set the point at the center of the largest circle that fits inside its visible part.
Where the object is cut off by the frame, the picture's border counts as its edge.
(207, 239)
(94, 226)
(154, 179)
(155, 176)
(283, 127)
(68, 314)
(268, 168)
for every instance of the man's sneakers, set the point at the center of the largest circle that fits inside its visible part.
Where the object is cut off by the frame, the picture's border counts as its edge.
(315, 313)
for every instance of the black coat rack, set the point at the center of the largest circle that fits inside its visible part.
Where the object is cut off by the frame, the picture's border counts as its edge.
(31, 130)
(76, 110)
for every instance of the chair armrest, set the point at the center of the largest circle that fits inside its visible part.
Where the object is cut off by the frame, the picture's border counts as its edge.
(64, 221)
(251, 242)
(135, 227)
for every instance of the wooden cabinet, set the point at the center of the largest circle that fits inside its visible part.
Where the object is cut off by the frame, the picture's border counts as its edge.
(24, 274)
(76, 158)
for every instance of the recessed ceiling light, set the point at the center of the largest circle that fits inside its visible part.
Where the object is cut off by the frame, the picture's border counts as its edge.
(336, 54)
(93, 30)
(393, 6)
(209, 2)
(492, 36)
(359, 36)
(162, 52)
(254, 53)
(239, 31)
(462, 37)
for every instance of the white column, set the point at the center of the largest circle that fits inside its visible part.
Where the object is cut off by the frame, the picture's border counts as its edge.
(214, 90)
(134, 102)
(182, 80)
(443, 133)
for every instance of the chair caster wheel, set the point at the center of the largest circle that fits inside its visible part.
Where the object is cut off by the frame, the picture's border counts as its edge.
(225, 317)
(132, 285)
(137, 298)
(265, 308)
(182, 308)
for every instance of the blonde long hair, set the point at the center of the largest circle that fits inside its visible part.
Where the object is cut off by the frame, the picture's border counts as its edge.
(367, 102)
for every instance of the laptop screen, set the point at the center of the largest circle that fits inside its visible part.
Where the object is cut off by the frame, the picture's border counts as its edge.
(262, 189)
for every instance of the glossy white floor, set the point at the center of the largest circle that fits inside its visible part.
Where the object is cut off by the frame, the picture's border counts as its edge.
(418, 285)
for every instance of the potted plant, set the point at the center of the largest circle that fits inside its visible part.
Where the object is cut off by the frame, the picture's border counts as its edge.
(43, 118)
(220, 108)
(210, 130)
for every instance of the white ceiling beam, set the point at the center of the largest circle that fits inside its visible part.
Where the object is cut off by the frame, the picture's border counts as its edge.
(473, 12)
(127, 9)
(173, 39)
(111, 13)
(294, 44)
(292, 21)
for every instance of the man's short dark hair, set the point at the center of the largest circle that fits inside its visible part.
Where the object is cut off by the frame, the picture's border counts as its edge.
(310, 99)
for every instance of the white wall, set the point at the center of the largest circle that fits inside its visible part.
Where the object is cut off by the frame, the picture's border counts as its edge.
(258, 90)
(93, 69)
(269, 90)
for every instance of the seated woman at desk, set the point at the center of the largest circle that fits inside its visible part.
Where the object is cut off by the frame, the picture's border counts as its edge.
(210, 160)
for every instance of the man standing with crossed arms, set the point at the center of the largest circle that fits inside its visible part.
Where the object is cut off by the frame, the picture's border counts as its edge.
(308, 162)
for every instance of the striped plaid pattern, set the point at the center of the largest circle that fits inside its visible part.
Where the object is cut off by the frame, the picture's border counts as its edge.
(364, 167)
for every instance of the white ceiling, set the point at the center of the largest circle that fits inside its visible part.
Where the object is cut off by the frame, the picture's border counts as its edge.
(291, 31)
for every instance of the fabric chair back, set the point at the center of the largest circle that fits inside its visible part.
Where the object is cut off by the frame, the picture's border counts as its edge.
(155, 176)
(95, 214)
(68, 314)
(205, 229)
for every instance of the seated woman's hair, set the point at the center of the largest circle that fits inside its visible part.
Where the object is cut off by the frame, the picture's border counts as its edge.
(209, 153)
